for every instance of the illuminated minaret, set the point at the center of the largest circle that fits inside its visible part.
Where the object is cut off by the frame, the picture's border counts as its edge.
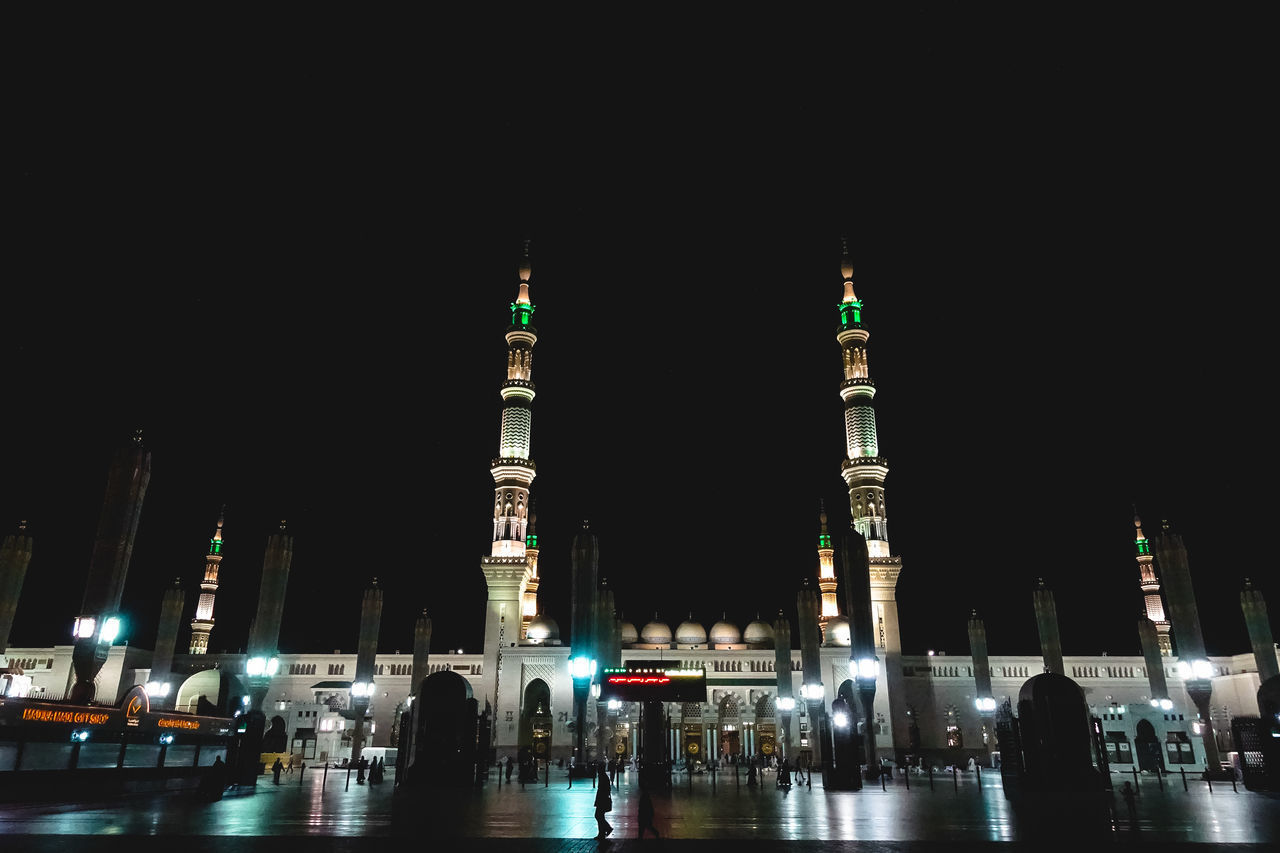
(826, 573)
(530, 603)
(864, 471)
(202, 625)
(506, 569)
(1151, 590)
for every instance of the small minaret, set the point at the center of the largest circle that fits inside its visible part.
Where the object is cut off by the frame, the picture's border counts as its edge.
(1153, 656)
(421, 652)
(98, 622)
(1260, 637)
(202, 625)
(264, 631)
(15, 555)
(530, 603)
(826, 573)
(1047, 624)
(1151, 589)
(506, 568)
(171, 604)
(366, 655)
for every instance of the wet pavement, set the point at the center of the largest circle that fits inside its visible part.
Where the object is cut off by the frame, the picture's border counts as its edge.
(318, 814)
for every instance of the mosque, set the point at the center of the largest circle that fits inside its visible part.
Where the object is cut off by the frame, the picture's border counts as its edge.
(940, 709)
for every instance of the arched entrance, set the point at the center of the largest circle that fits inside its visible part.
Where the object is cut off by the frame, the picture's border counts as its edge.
(729, 727)
(535, 719)
(1147, 747)
(766, 726)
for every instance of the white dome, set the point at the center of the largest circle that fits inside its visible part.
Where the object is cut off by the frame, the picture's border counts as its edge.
(837, 633)
(541, 629)
(629, 634)
(690, 633)
(758, 631)
(655, 632)
(723, 633)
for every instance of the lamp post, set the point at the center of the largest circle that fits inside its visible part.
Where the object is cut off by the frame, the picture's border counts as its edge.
(582, 670)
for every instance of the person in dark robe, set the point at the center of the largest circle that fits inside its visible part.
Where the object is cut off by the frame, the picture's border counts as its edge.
(276, 770)
(604, 805)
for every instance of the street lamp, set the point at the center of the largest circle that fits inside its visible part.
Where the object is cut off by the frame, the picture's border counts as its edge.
(786, 704)
(984, 703)
(1199, 668)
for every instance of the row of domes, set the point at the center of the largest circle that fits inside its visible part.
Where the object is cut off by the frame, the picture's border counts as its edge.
(690, 633)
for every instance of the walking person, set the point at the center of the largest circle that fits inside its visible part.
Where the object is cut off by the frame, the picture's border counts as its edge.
(604, 805)
(279, 766)
(645, 814)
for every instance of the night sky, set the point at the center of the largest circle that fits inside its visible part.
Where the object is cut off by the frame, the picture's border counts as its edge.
(303, 309)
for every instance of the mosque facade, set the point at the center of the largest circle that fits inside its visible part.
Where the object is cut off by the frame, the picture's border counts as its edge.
(937, 709)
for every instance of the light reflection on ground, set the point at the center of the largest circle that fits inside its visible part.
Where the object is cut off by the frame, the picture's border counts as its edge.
(962, 811)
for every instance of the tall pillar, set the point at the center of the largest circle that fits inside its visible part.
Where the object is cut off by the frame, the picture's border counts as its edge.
(98, 621)
(1047, 624)
(1153, 657)
(782, 667)
(862, 647)
(1193, 662)
(584, 565)
(812, 690)
(421, 652)
(166, 639)
(1260, 637)
(15, 555)
(984, 701)
(362, 688)
(264, 631)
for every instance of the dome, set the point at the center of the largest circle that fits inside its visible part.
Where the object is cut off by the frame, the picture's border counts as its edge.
(724, 632)
(758, 631)
(690, 633)
(629, 634)
(542, 629)
(655, 632)
(837, 633)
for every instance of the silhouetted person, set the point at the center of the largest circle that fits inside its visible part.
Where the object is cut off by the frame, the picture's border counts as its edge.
(604, 804)
(751, 775)
(645, 815)
(361, 766)
(1130, 801)
(276, 770)
(213, 782)
(510, 764)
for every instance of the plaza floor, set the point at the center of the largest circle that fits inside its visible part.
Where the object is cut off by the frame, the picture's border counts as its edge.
(321, 813)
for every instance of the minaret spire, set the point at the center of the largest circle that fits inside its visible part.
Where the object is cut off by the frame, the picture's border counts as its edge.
(202, 625)
(826, 572)
(1151, 589)
(506, 568)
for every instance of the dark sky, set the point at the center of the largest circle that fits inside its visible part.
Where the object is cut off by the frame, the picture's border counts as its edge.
(301, 301)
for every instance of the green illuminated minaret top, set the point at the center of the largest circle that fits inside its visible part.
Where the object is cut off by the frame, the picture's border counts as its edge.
(522, 309)
(850, 308)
